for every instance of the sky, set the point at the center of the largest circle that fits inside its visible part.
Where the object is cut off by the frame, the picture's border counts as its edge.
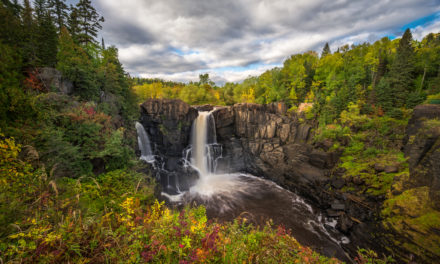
(232, 39)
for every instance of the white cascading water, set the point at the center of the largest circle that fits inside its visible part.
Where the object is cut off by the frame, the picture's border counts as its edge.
(144, 144)
(202, 150)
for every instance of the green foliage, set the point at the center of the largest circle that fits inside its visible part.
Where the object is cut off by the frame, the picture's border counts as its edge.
(367, 142)
(115, 153)
(20, 184)
(14, 103)
(75, 65)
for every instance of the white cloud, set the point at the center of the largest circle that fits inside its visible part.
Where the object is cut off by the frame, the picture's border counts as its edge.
(178, 39)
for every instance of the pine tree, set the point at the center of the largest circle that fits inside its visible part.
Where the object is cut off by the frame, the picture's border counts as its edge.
(326, 50)
(47, 41)
(46, 37)
(89, 22)
(29, 31)
(59, 11)
(40, 8)
(73, 23)
(102, 43)
(401, 74)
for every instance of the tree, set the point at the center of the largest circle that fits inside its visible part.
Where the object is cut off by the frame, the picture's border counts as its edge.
(46, 38)
(89, 22)
(60, 12)
(326, 50)
(401, 74)
(47, 41)
(73, 23)
(75, 65)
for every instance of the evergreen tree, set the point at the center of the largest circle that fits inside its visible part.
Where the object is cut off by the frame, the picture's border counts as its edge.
(59, 10)
(89, 22)
(73, 23)
(45, 35)
(47, 41)
(40, 8)
(76, 66)
(28, 35)
(401, 74)
(326, 50)
(14, 7)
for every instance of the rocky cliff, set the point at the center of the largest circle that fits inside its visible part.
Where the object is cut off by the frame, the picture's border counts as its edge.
(263, 140)
(423, 149)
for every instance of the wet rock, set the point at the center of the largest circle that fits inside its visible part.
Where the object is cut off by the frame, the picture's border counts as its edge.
(205, 107)
(338, 205)
(338, 183)
(318, 158)
(344, 224)
(333, 213)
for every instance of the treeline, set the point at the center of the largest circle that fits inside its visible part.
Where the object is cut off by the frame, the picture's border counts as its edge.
(384, 77)
(51, 34)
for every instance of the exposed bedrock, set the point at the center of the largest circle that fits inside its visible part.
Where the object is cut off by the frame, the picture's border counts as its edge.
(423, 149)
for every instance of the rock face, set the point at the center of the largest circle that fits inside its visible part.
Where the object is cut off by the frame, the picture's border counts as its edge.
(168, 123)
(423, 149)
(263, 140)
(259, 139)
(53, 79)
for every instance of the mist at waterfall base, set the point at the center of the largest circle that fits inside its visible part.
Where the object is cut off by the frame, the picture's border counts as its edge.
(227, 196)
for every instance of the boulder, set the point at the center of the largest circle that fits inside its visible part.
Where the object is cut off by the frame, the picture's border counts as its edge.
(53, 80)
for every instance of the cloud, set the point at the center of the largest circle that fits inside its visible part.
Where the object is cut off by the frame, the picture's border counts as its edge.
(178, 39)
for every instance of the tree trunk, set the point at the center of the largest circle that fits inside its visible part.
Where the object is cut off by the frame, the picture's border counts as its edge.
(423, 80)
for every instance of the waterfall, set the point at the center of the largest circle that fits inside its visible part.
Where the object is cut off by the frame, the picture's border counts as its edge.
(144, 144)
(204, 147)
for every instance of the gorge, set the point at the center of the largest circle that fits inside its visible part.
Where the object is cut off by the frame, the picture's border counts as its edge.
(208, 156)
(260, 162)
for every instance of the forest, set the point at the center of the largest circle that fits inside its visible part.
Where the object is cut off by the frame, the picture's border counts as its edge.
(72, 189)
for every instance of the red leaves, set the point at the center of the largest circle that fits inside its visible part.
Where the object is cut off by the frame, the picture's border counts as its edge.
(90, 110)
(32, 82)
